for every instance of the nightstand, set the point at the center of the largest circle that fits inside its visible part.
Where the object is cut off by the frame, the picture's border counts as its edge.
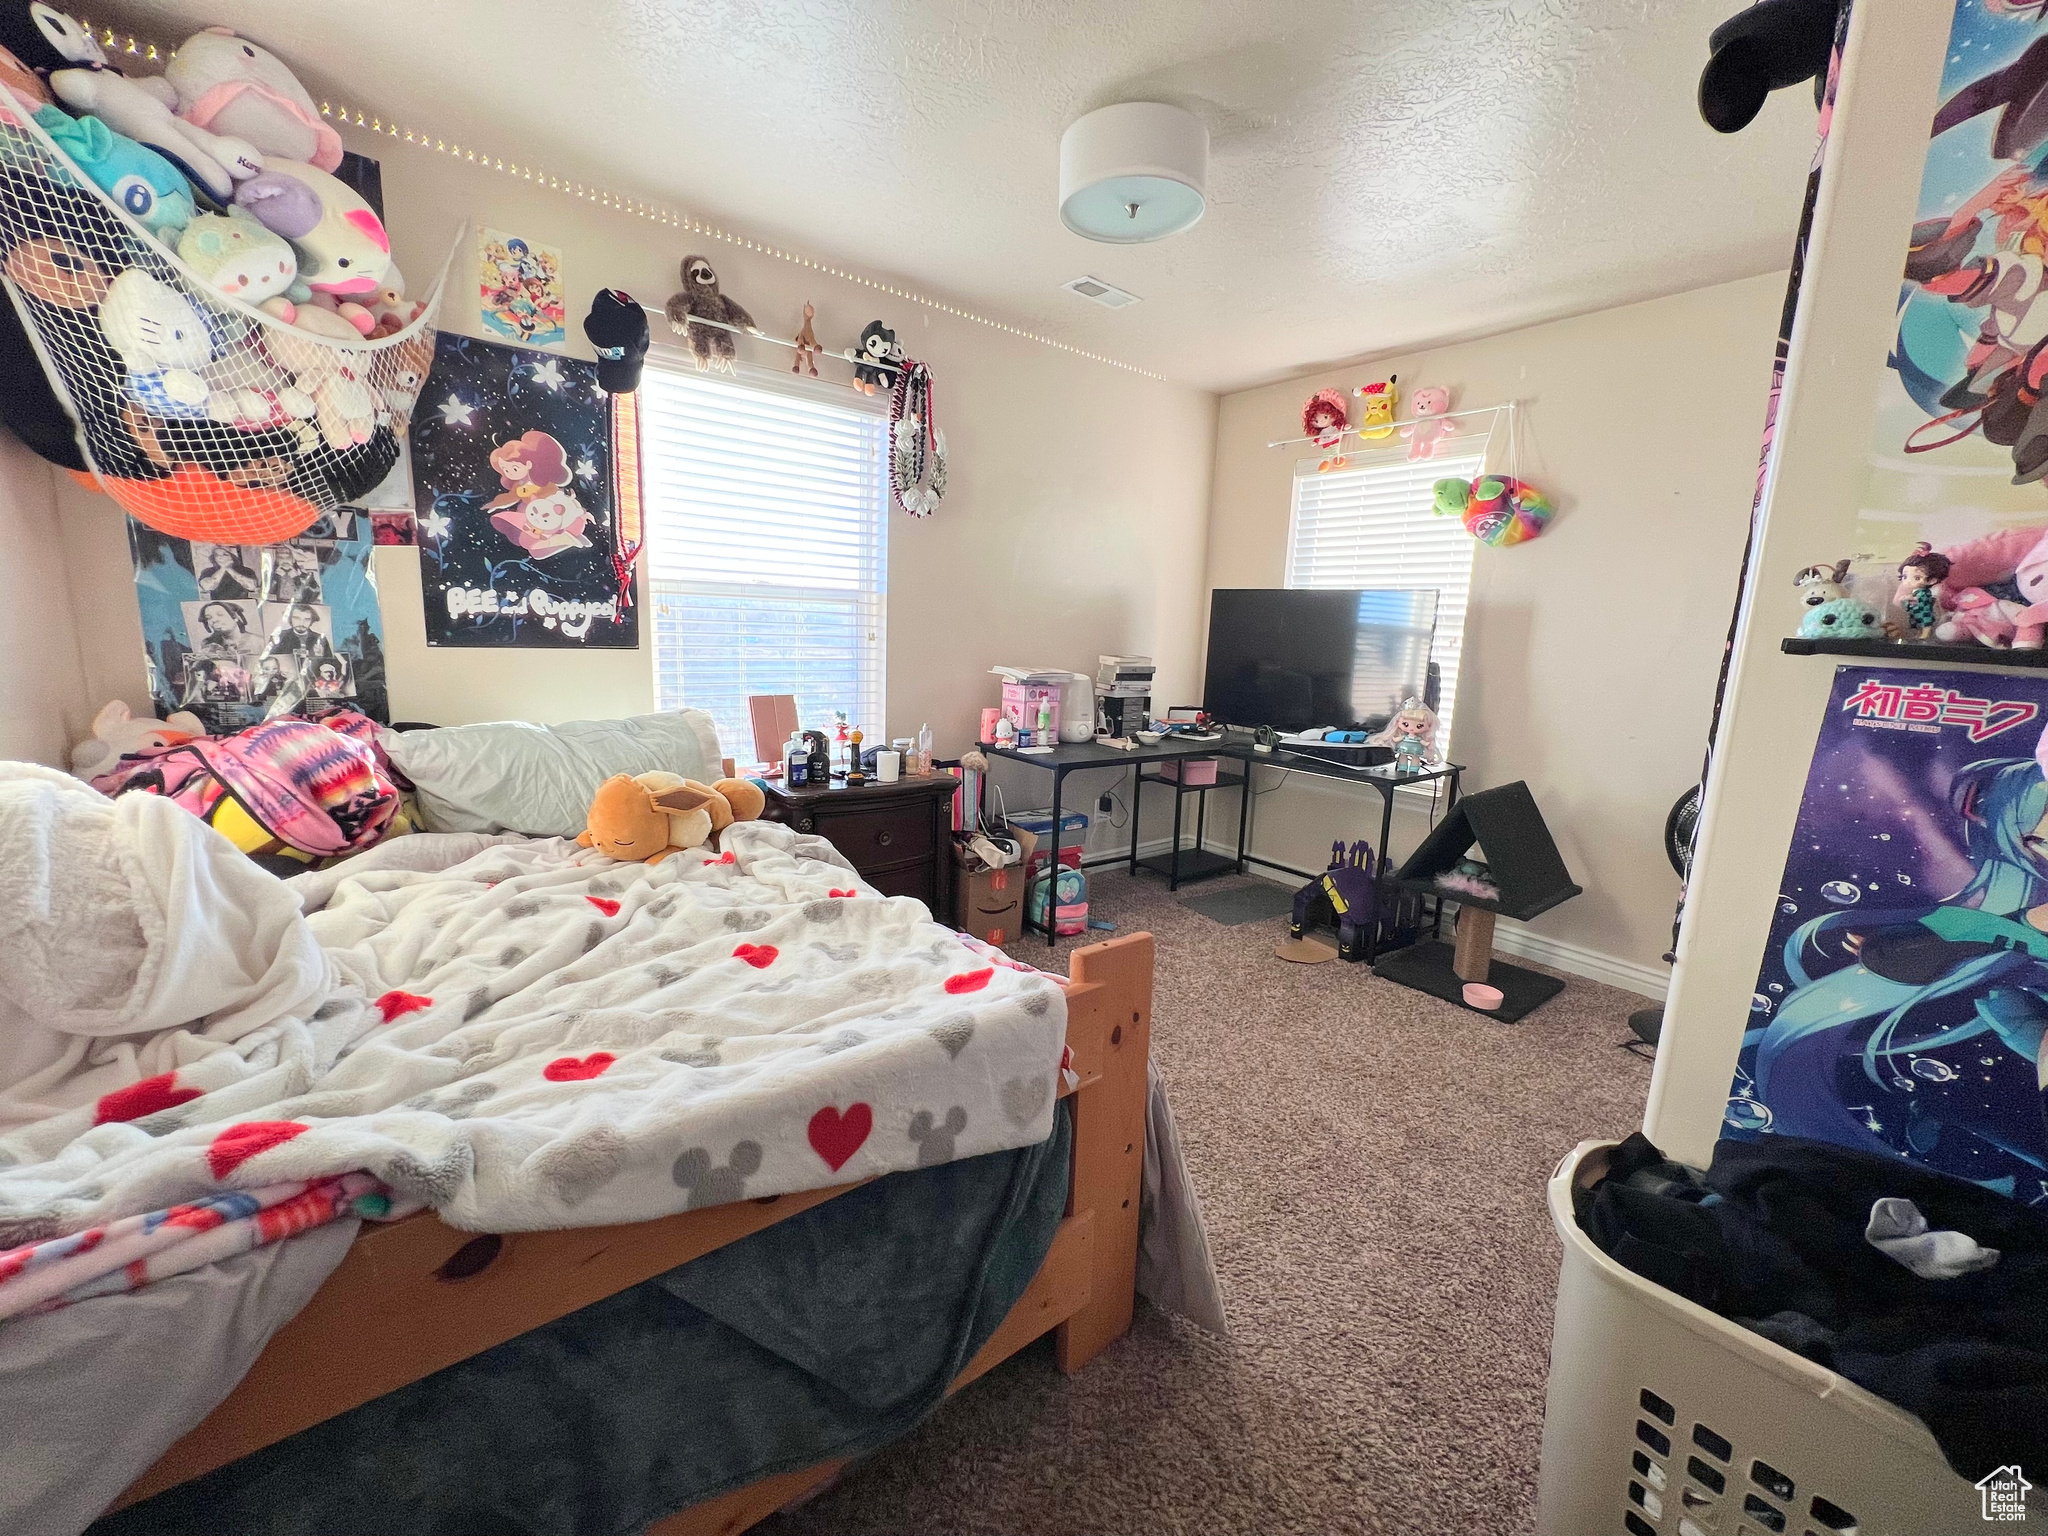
(894, 834)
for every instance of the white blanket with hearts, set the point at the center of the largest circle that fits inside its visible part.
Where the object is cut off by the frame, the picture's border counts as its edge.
(538, 1037)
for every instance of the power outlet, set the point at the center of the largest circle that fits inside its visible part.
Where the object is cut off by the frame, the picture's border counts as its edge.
(1105, 802)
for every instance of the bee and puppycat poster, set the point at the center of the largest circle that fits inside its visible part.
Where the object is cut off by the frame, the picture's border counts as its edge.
(513, 485)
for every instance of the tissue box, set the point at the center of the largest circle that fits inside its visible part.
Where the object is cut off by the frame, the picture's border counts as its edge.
(1190, 771)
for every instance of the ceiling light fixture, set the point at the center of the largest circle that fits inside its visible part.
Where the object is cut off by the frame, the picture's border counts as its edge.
(1133, 172)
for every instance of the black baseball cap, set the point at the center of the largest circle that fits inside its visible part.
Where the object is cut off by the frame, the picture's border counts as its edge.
(617, 328)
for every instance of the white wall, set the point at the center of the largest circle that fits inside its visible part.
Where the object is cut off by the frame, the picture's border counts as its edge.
(42, 687)
(1074, 523)
(1590, 653)
(1846, 317)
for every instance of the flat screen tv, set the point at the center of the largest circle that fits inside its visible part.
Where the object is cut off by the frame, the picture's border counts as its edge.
(1294, 658)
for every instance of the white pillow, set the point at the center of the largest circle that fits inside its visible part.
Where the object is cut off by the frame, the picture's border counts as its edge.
(513, 776)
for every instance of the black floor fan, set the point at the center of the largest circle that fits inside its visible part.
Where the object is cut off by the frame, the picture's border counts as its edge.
(1679, 826)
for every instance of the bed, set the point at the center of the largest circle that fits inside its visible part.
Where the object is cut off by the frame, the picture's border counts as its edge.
(500, 1256)
(418, 1295)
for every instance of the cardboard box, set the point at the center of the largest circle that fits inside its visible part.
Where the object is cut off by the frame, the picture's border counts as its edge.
(988, 903)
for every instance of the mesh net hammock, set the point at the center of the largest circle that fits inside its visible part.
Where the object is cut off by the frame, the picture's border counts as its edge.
(204, 417)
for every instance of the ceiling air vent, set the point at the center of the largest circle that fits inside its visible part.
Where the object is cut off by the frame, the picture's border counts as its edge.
(1108, 295)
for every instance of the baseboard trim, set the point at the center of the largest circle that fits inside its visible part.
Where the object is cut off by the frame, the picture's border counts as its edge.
(1561, 954)
(1513, 938)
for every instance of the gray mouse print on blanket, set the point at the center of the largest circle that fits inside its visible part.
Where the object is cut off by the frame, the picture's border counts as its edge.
(437, 1182)
(1024, 1098)
(708, 1186)
(935, 1141)
(746, 922)
(826, 912)
(458, 1103)
(523, 908)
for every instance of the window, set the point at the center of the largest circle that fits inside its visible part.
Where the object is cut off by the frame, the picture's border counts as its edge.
(1374, 527)
(766, 555)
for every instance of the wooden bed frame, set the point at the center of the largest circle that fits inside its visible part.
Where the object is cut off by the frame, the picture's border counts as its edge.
(418, 1295)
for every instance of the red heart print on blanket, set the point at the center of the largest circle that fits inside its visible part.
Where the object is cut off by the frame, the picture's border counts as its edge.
(395, 1005)
(567, 1069)
(238, 1143)
(759, 956)
(724, 858)
(604, 904)
(143, 1098)
(842, 893)
(836, 1137)
(969, 981)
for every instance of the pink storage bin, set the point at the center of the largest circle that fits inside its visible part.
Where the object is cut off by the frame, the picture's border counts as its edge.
(1190, 771)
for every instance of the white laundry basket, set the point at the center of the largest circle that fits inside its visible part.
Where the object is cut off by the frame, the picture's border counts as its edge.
(1664, 1419)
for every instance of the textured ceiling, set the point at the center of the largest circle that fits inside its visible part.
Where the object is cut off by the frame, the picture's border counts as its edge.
(1383, 175)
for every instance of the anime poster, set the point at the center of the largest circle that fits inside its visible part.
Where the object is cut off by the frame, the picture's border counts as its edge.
(1959, 448)
(519, 290)
(1904, 991)
(513, 485)
(238, 633)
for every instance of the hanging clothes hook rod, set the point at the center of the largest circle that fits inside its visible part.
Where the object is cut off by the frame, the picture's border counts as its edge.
(741, 330)
(1482, 410)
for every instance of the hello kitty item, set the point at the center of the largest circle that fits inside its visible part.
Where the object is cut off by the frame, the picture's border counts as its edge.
(1429, 428)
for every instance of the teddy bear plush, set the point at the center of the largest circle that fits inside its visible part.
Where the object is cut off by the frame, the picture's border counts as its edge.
(645, 818)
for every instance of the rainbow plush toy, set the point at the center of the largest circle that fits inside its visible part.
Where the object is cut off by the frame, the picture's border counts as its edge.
(1497, 510)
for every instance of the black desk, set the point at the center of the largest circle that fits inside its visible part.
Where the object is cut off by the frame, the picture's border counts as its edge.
(1085, 756)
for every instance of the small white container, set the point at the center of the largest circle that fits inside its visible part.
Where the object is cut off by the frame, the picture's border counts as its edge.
(888, 766)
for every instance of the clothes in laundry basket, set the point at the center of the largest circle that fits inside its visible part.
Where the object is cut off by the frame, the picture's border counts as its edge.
(1773, 1237)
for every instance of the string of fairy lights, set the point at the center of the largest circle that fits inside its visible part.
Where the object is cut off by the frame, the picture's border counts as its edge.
(618, 202)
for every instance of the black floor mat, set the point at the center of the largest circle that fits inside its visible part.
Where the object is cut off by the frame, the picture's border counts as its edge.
(1242, 904)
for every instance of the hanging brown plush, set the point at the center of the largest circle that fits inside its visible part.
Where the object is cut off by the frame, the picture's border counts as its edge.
(700, 299)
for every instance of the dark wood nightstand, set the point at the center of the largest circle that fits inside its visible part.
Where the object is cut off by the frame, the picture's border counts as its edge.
(894, 834)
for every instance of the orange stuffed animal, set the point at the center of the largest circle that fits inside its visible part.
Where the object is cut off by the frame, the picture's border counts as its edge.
(647, 818)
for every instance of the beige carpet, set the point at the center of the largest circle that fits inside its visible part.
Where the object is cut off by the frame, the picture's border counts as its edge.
(1371, 1163)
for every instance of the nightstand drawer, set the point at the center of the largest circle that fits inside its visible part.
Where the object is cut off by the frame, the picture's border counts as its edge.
(907, 880)
(872, 838)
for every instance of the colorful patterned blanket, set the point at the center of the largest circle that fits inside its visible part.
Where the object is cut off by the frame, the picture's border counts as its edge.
(540, 1037)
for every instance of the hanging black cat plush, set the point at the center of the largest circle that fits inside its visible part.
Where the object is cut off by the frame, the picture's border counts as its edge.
(1773, 44)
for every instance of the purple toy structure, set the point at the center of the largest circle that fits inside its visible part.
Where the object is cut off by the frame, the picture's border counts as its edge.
(1348, 898)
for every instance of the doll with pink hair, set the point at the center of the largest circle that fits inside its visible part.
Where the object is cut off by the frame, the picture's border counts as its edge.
(2017, 555)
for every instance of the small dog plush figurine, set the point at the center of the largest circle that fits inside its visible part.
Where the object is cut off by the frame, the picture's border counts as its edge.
(700, 299)
(646, 818)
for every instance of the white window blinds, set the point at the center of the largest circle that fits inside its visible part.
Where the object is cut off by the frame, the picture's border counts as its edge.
(1373, 527)
(766, 556)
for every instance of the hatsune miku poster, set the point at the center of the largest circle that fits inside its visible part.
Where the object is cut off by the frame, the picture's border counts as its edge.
(513, 486)
(1903, 994)
(1959, 448)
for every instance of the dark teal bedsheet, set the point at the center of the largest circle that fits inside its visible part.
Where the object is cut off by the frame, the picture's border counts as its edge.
(826, 1335)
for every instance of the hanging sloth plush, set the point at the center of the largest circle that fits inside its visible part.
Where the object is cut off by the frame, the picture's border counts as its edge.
(701, 300)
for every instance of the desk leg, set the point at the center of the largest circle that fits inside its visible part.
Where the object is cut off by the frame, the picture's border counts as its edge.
(1052, 868)
(1244, 811)
(1202, 819)
(1137, 799)
(1173, 858)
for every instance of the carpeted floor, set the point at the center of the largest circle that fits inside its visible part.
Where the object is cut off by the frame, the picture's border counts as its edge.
(1371, 1163)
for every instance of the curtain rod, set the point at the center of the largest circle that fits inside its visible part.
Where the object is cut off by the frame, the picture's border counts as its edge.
(1482, 410)
(760, 335)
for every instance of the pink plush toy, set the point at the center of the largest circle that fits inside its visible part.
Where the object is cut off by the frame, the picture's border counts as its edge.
(2019, 555)
(1975, 614)
(1427, 430)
